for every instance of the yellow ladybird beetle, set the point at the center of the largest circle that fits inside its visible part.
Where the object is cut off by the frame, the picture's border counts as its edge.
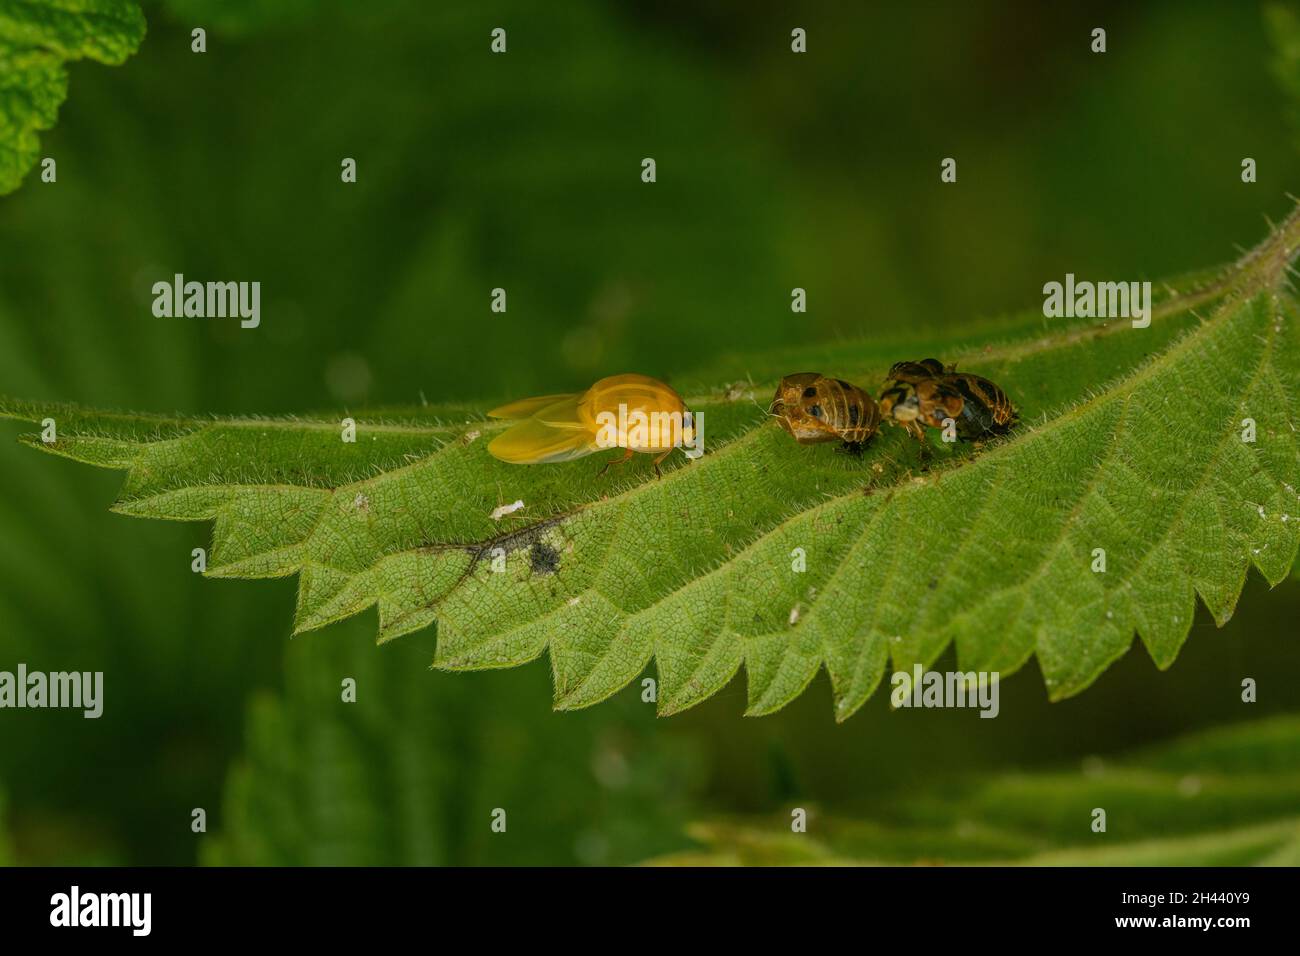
(633, 412)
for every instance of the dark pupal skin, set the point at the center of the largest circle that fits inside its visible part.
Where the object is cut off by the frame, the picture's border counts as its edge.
(815, 409)
(986, 410)
(925, 393)
(914, 372)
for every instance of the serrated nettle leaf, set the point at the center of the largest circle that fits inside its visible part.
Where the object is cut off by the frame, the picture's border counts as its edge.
(1227, 796)
(37, 39)
(1133, 446)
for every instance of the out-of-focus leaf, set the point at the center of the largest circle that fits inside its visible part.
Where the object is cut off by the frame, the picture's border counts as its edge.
(1283, 21)
(1226, 797)
(402, 777)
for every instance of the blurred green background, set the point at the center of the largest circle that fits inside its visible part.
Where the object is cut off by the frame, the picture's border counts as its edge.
(522, 171)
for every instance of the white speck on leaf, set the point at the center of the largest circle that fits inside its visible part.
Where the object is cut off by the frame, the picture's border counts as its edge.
(499, 513)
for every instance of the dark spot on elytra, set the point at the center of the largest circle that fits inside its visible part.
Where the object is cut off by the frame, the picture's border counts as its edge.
(543, 559)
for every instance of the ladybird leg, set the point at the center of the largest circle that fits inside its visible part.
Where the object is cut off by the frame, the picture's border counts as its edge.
(615, 461)
(658, 473)
(853, 448)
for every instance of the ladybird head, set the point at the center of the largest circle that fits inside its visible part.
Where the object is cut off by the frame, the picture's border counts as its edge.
(798, 406)
(795, 394)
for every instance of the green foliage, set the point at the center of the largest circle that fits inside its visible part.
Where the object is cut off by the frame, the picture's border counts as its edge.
(1283, 22)
(479, 171)
(1226, 797)
(37, 40)
(1131, 443)
(397, 778)
(238, 18)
